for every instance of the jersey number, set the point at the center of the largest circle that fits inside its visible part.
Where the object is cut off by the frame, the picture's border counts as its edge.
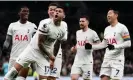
(88, 73)
(117, 71)
(47, 70)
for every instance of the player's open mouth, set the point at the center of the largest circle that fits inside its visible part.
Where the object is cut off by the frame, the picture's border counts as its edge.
(26, 16)
(56, 16)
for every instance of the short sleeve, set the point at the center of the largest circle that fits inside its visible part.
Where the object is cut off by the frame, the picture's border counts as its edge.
(95, 37)
(35, 27)
(43, 27)
(10, 30)
(125, 33)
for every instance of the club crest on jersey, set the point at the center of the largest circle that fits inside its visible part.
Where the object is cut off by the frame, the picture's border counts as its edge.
(14, 31)
(21, 37)
(28, 30)
(111, 41)
(114, 33)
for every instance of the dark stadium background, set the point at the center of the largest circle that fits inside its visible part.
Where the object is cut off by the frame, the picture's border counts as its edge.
(97, 12)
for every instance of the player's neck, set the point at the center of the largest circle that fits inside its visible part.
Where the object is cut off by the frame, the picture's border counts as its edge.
(114, 23)
(57, 22)
(85, 29)
(50, 17)
(22, 21)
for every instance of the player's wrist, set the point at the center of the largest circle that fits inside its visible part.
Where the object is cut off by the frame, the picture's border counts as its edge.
(52, 58)
(116, 46)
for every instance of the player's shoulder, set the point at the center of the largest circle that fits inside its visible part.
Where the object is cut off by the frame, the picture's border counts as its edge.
(64, 23)
(31, 23)
(120, 25)
(92, 31)
(108, 27)
(13, 24)
(46, 20)
(79, 31)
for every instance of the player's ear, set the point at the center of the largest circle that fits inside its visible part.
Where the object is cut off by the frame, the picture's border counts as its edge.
(19, 13)
(64, 16)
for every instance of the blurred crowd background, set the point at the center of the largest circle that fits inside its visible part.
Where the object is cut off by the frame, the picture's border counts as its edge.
(97, 12)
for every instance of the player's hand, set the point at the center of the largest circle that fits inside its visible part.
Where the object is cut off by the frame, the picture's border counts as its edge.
(74, 49)
(88, 46)
(110, 47)
(52, 59)
(51, 64)
(4, 53)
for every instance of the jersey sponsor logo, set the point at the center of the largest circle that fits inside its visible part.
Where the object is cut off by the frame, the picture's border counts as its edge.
(111, 41)
(81, 43)
(21, 37)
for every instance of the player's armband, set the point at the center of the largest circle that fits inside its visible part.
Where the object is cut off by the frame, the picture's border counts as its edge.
(126, 37)
(125, 34)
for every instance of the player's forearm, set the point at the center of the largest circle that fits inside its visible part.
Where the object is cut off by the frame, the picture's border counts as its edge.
(7, 43)
(44, 50)
(101, 45)
(123, 45)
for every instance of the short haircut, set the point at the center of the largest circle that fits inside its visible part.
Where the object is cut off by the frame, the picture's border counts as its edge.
(85, 16)
(59, 6)
(53, 4)
(115, 11)
(24, 6)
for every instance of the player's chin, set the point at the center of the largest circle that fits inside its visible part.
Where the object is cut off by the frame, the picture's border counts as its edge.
(58, 19)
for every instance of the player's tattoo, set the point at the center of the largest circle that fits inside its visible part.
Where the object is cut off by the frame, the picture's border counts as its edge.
(41, 45)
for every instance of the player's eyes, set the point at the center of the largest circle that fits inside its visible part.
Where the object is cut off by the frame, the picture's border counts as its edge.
(25, 11)
(59, 11)
(56, 10)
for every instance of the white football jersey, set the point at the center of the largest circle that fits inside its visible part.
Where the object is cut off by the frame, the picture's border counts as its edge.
(53, 32)
(116, 35)
(84, 56)
(21, 36)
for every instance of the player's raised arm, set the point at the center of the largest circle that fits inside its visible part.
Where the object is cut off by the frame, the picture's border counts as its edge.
(8, 40)
(126, 38)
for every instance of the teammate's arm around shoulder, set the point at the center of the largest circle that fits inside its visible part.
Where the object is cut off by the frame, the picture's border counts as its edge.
(126, 38)
(97, 44)
(8, 41)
